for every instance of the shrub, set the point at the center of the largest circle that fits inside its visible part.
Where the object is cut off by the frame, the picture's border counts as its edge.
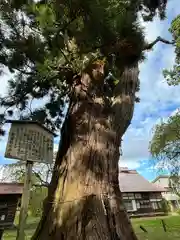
(165, 206)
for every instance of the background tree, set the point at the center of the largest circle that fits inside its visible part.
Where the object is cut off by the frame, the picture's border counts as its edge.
(15, 173)
(41, 175)
(85, 53)
(174, 183)
(164, 145)
(173, 76)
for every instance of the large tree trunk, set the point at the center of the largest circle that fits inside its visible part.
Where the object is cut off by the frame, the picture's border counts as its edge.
(84, 199)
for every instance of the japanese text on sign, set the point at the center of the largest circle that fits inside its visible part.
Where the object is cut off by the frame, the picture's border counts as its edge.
(29, 142)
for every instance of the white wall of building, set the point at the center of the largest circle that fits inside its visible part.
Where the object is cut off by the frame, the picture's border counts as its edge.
(134, 205)
(163, 182)
(168, 195)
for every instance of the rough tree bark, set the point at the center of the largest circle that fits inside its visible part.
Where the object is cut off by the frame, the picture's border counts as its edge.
(84, 200)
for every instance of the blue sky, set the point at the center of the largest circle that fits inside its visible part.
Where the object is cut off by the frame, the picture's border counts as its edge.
(158, 100)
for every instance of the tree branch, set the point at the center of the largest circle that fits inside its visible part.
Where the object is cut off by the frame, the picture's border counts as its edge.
(23, 71)
(43, 183)
(76, 15)
(158, 39)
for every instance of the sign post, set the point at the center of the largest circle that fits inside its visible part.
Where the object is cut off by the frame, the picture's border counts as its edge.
(1, 233)
(30, 142)
(25, 201)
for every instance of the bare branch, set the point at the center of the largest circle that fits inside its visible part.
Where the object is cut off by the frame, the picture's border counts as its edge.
(43, 183)
(158, 39)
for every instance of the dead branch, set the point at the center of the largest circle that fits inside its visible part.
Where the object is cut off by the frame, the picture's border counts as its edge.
(158, 39)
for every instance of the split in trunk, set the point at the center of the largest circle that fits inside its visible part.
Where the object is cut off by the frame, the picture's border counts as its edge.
(84, 200)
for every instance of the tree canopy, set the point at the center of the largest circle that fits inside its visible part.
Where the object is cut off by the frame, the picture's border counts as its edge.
(173, 76)
(15, 172)
(41, 175)
(47, 44)
(165, 142)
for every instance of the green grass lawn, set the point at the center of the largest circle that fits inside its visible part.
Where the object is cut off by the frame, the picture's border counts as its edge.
(155, 228)
(152, 225)
(31, 225)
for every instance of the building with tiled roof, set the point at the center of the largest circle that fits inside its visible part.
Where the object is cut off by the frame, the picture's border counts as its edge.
(170, 193)
(140, 196)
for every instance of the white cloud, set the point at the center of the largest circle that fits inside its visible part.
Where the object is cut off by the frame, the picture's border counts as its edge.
(4, 81)
(177, 111)
(3, 140)
(136, 142)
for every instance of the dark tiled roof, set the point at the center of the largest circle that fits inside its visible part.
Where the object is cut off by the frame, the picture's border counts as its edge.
(132, 181)
(11, 188)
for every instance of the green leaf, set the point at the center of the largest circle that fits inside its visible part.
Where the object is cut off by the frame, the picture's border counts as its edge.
(173, 75)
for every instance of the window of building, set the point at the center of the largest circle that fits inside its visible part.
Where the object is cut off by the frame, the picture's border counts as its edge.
(154, 205)
(3, 205)
(159, 204)
(144, 204)
(156, 196)
(128, 195)
(125, 196)
(128, 205)
(3, 214)
(137, 195)
(137, 205)
(153, 196)
(145, 196)
(2, 217)
(131, 195)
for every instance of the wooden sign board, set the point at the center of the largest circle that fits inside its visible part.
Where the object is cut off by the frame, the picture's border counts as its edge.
(30, 142)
